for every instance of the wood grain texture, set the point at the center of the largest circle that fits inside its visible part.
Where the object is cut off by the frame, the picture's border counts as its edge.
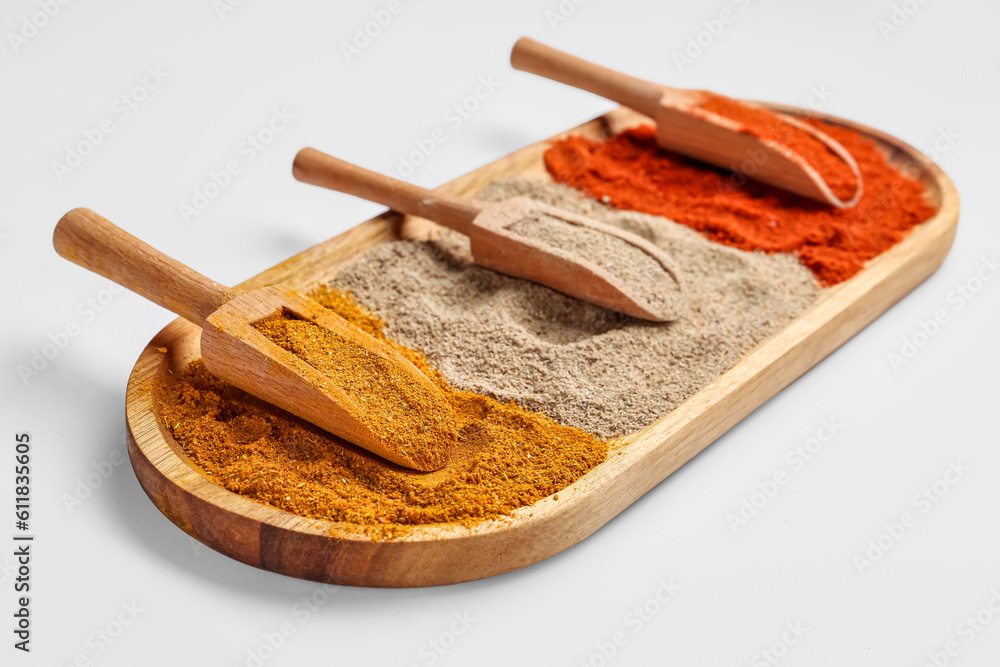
(343, 554)
(317, 168)
(95, 243)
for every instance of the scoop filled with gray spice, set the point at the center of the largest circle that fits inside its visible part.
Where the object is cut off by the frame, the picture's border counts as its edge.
(583, 365)
(556, 248)
(638, 270)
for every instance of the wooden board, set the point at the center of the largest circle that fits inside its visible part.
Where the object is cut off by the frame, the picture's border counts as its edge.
(342, 553)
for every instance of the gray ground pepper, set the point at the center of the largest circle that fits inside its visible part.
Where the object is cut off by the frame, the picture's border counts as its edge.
(585, 366)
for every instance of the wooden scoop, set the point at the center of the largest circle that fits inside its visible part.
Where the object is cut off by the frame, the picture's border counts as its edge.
(683, 128)
(233, 350)
(493, 245)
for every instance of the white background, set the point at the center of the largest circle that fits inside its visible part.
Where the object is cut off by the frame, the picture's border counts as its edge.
(795, 560)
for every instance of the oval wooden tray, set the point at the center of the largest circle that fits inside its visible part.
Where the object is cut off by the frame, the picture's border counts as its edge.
(343, 554)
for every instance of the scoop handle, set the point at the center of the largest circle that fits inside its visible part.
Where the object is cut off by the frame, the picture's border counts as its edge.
(529, 55)
(317, 168)
(85, 238)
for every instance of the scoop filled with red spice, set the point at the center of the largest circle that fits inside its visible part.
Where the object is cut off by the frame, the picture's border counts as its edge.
(630, 172)
(764, 145)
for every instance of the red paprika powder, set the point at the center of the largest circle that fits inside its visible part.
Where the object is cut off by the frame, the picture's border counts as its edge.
(629, 171)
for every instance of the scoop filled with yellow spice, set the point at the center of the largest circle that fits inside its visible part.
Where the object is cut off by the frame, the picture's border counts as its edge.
(282, 347)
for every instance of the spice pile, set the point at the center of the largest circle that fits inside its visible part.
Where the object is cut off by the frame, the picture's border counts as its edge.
(585, 366)
(639, 271)
(506, 457)
(630, 172)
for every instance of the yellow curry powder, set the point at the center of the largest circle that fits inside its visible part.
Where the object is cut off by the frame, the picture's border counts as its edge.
(506, 457)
